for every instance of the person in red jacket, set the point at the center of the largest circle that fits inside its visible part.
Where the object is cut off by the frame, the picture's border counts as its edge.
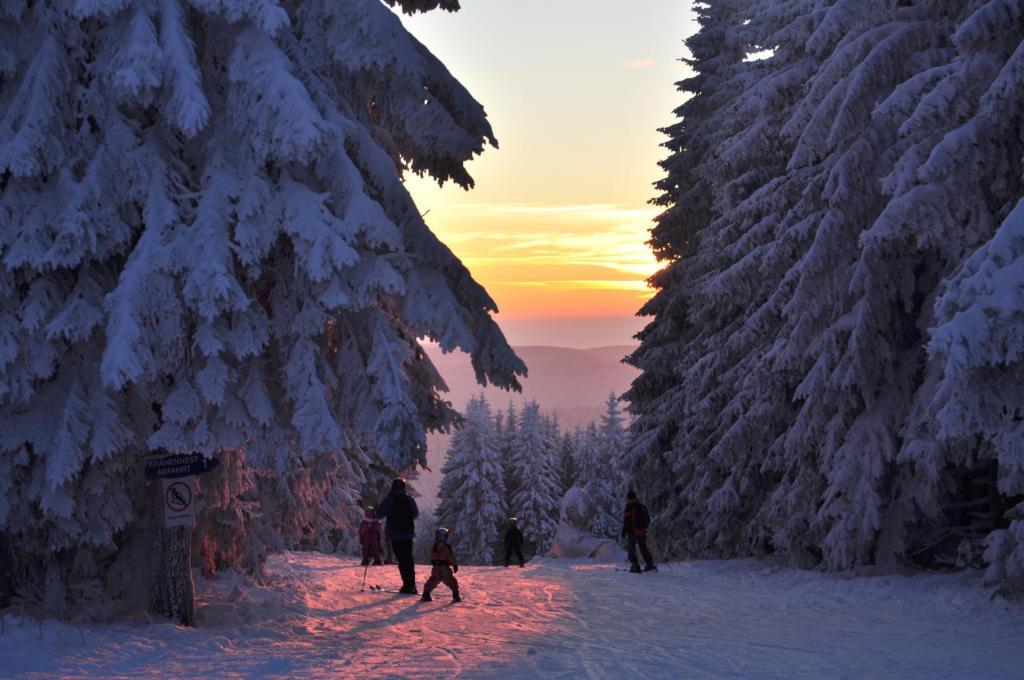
(635, 520)
(369, 538)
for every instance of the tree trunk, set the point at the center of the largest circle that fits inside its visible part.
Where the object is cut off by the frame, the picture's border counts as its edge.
(171, 591)
(7, 570)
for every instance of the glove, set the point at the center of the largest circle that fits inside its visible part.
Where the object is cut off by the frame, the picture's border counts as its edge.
(455, 569)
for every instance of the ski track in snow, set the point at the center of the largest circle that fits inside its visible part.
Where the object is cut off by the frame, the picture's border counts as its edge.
(556, 619)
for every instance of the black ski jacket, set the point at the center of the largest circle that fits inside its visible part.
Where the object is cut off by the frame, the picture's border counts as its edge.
(401, 512)
(635, 519)
(513, 536)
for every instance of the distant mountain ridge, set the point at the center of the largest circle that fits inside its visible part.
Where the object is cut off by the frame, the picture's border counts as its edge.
(572, 383)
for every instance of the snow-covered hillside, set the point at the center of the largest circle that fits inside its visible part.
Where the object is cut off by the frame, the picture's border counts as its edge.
(552, 619)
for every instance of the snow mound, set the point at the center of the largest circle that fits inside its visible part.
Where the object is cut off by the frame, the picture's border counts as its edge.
(571, 540)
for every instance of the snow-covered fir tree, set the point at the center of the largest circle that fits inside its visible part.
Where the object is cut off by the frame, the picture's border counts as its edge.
(534, 467)
(568, 455)
(509, 431)
(615, 442)
(608, 488)
(597, 480)
(206, 245)
(553, 434)
(471, 501)
(831, 365)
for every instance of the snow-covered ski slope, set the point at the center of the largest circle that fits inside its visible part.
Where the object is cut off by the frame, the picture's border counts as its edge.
(561, 619)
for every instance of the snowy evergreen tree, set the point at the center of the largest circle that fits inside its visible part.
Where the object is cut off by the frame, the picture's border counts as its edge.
(568, 455)
(206, 246)
(536, 500)
(830, 372)
(597, 480)
(471, 501)
(959, 194)
(553, 435)
(507, 447)
(615, 442)
(609, 486)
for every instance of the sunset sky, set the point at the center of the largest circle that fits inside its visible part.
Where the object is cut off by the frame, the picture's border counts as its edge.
(556, 226)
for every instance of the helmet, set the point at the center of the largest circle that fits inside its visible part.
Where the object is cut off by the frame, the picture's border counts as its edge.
(398, 484)
(513, 520)
(441, 534)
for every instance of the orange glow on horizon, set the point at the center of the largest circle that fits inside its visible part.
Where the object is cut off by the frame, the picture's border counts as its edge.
(550, 261)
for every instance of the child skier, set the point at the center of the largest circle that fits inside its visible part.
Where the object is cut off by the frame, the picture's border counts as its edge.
(369, 538)
(443, 567)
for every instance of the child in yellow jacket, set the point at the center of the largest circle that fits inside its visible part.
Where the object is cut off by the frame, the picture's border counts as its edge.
(443, 567)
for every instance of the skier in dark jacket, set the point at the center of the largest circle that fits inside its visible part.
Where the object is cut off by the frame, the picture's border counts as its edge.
(401, 512)
(513, 542)
(635, 520)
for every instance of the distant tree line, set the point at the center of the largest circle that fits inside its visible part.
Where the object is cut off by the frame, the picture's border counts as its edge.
(520, 463)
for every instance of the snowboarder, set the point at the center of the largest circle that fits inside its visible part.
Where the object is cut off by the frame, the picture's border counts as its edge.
(443, 567)
(635, 520)
(369, 538)
(514, 542)
(401, 512)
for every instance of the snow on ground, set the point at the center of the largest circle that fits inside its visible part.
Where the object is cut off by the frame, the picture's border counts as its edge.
(552, 619)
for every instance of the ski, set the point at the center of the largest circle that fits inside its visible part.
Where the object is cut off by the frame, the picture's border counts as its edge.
(382, 589)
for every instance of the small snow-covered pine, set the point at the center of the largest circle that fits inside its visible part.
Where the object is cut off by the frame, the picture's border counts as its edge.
(534, 465)
(594, 478)
(612, 443)
(471, 501)
(507, 445)
(568, 457)
(553, 435)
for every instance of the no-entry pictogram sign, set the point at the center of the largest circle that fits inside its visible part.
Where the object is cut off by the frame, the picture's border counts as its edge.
(179, 502)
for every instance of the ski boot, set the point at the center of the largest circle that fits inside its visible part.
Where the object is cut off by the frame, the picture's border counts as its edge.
(456, 597)
(635, 569)
(650, 567)
(426, 598)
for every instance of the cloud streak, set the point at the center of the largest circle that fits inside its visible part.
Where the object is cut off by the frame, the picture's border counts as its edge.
(646, 62)
(602, 211)
(541, 259)
(556, 241)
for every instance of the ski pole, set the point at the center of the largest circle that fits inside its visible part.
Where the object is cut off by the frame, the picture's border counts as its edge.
(365, 569)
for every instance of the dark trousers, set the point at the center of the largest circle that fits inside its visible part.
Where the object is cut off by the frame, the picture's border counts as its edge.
(403, 554)
(441, 573)
(631, 546)
(371, 551)
(514, 548)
